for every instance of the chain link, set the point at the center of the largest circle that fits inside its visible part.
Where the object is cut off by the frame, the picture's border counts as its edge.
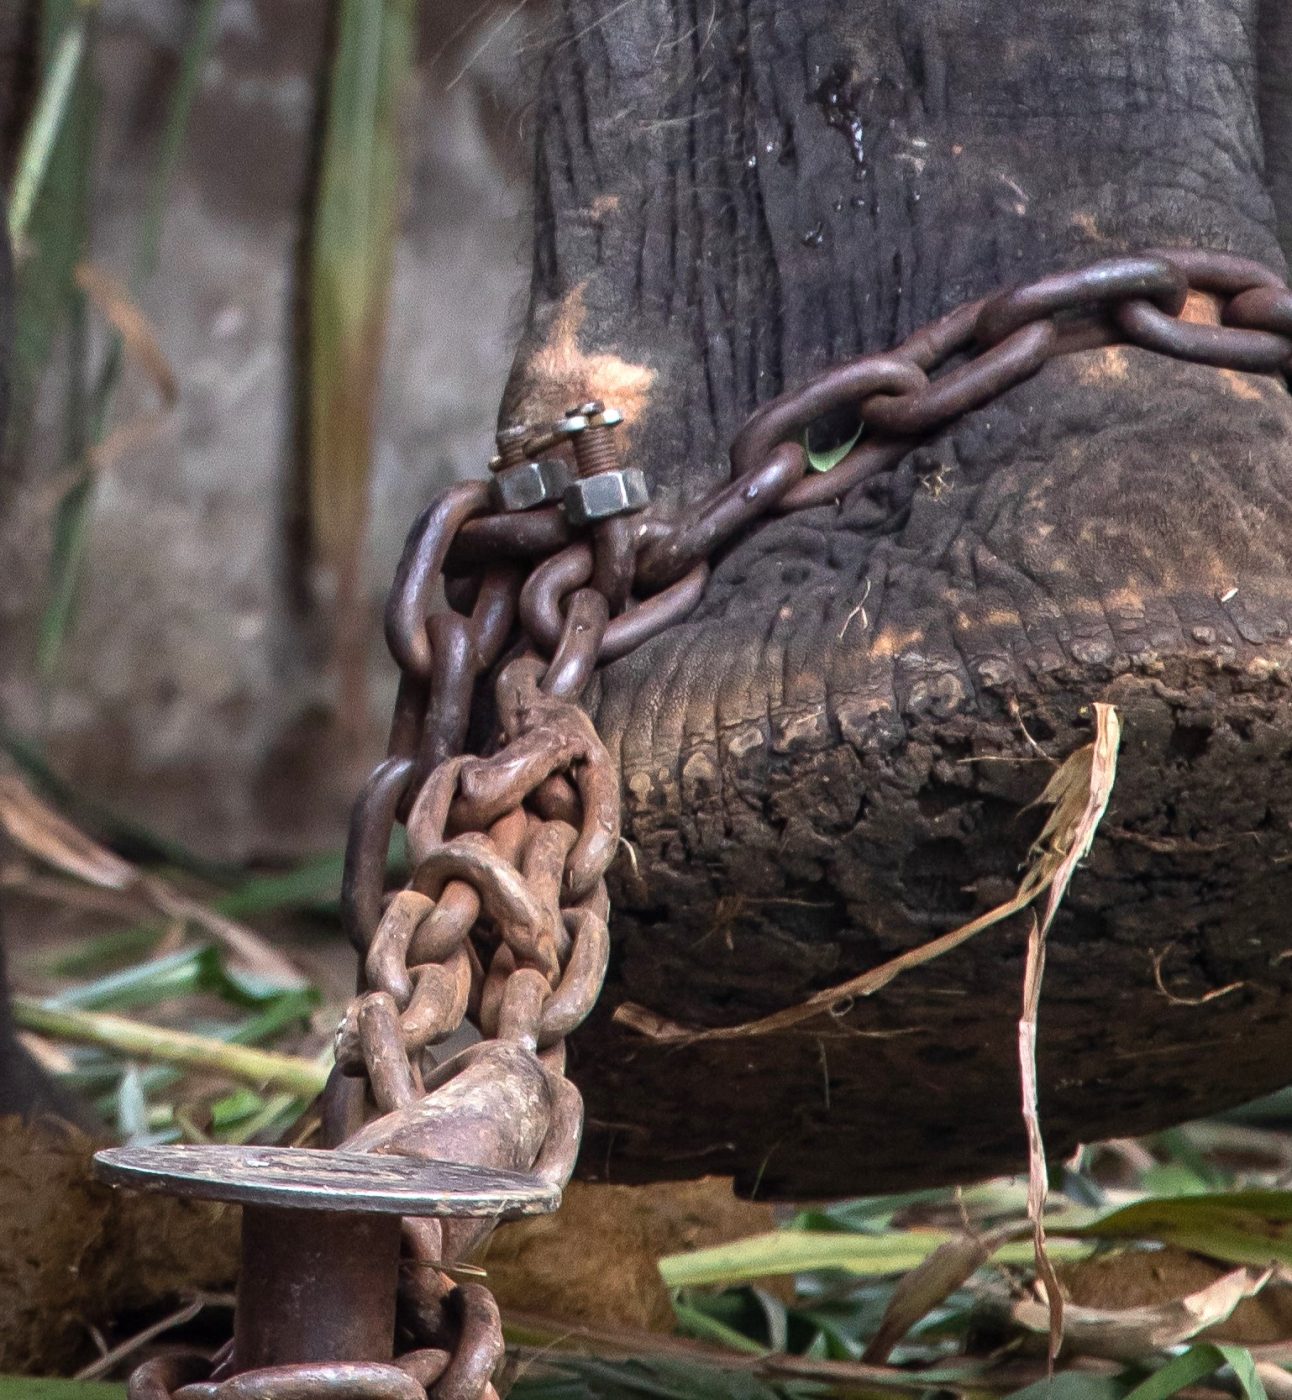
(503, 924)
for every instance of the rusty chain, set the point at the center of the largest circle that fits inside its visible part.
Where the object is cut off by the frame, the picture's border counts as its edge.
(503, 923)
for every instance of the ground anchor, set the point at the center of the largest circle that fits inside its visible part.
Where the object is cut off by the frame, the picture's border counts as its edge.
(319, 1271)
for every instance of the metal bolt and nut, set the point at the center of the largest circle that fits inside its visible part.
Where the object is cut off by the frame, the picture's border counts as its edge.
(604, 489)
(519, 482)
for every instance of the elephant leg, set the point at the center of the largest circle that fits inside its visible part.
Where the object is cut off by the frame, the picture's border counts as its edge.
(827, 764)
(1274, 60)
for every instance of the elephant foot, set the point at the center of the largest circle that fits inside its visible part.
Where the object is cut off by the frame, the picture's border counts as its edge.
(834, 759)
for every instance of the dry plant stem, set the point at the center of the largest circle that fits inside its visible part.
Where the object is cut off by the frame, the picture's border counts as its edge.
(1038, 1180)
(122, 1350)
(1131, 1334)
(1079, 792)
(38, 829)
(259, 1068)
(535, 1338)
(248, 950)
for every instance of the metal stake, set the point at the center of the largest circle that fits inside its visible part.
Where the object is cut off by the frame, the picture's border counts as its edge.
(320, 1235)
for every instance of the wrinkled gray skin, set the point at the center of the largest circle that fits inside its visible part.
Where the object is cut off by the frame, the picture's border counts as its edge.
(827, 764)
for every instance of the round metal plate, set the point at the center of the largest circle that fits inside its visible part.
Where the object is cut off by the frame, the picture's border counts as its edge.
(309, 1179)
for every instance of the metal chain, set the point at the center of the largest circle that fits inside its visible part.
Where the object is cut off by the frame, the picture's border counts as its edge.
(503, 923)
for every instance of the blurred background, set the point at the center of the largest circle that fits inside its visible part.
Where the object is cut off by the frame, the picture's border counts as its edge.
(232, 218)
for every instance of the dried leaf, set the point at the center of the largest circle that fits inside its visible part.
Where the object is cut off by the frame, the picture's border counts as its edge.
(43, 833)
(925, 1287)
(138, 338)
(1129, 1334)
(1079, 791)
(1038, 1181)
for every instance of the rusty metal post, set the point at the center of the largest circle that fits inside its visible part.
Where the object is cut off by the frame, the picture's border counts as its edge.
(319, 1275)
(315, 1285)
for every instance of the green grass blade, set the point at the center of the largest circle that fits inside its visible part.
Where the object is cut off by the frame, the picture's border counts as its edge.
(53, 211)
(144, 984)
(352, 244)
(314, 884)
(199, 969)
(197, 49)
(1238, 1227)
(800, 1251)
(72, 524)
(1074, 1385)
(1197, 1364)
(829, 458)
(696, 1323)
(41, 136)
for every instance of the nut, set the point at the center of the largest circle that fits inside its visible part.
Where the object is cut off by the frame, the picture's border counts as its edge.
(530, 484)
(605, 495)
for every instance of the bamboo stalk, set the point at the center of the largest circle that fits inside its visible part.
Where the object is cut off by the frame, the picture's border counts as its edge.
(352, 240)
(263, 1069)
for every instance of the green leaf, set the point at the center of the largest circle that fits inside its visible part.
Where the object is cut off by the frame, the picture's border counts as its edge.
(40, 140)
(798, 1251)
(351, 255)
(1196, 1364)
(830, 458)
(53, 208)
(1073, 1385)
(144, 984)
(654, 1379)
(1238, 1227)
(314, 884)
(695, 1322)
(200, 969)
(196, 51)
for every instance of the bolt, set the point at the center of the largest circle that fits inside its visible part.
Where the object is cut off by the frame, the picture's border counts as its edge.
(591, 429)
(511, 446)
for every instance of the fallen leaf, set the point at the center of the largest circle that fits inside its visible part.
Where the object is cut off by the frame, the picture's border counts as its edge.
(123, 314)
(1130, 1334)
(35, 827)
(925, 1287)
(1078, 791)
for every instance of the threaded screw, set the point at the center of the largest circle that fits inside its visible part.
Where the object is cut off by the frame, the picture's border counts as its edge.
(511, 446)
(591, 427)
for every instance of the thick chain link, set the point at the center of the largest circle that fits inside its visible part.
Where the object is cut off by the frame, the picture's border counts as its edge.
(503, 923)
